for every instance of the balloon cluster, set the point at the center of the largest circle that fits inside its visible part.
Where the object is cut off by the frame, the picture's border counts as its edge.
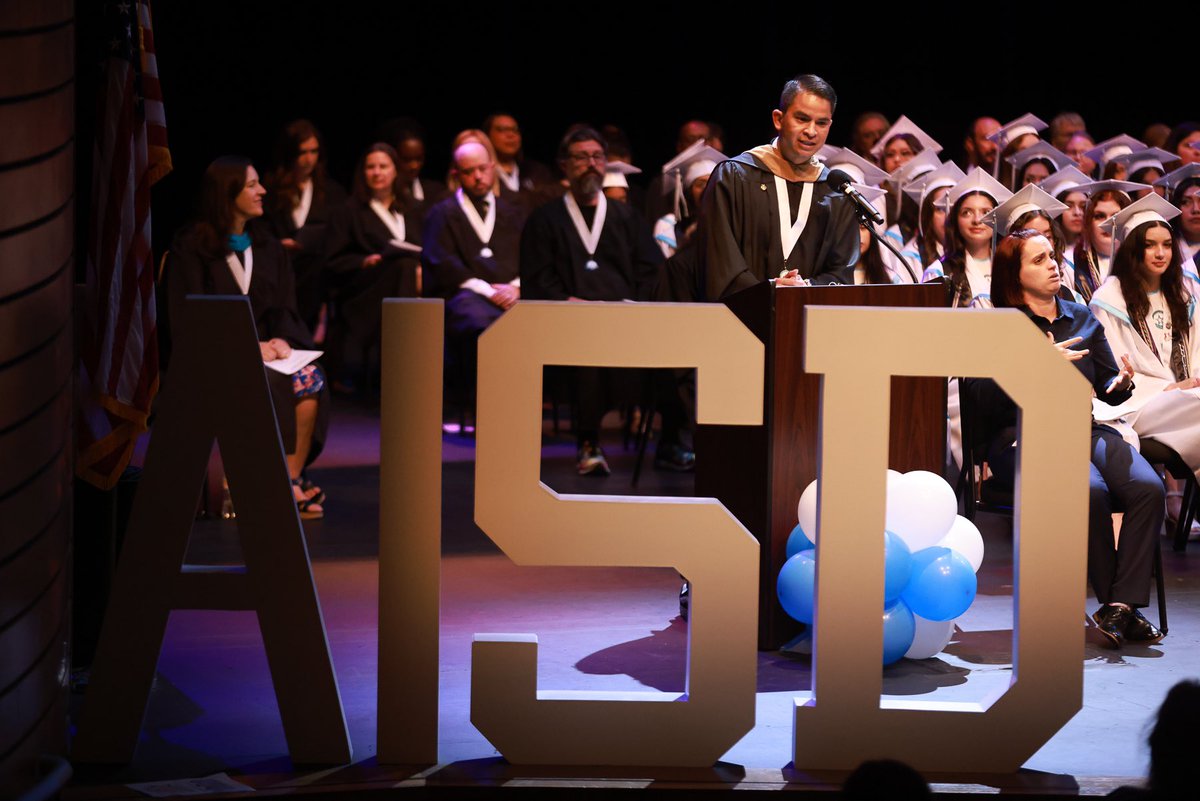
(931, 555)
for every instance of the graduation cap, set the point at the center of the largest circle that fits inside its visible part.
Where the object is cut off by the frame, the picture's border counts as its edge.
(827, 151)
(615, 172)
(696, 161)
(859, 169)
(948, 174)
(978, 180)
(1154, 157)
(1067, 179)
(1120, 145)
(873, 194)
(924, 162)
(1011, 131)
(1143, 210)
(1176, 177)
(905, 126)
(1110, 185)
(1030, 197)
(1039, 150)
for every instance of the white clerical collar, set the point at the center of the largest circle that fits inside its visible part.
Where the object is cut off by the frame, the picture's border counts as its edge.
(589, 237)
(392, 219)
(241, 272)
(417, 190)
(512, 181)
(300, 213)
(789, 232)
(483, 227)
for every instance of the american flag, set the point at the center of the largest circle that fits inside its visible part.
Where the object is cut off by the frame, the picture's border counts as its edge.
(117, 335)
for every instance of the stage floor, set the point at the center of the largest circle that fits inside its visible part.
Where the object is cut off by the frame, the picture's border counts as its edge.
(213, 708)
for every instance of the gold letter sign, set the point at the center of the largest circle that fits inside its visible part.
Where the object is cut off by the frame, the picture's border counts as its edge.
(858, 350)
(536, 526)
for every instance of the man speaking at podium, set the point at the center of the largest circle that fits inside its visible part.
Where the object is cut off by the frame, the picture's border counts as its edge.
(769, 215)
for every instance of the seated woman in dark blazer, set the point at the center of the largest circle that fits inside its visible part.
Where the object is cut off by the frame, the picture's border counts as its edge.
(215, 256)
(373, 252)
(300, 199)
(1025, 276)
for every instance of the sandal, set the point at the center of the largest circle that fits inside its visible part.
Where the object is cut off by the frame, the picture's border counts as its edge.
(311, 491)
(309, 508)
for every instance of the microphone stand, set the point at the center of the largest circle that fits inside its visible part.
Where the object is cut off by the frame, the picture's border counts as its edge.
(883, 240)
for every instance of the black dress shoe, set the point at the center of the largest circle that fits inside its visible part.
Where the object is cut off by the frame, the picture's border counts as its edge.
(1141, 631)
(1112, 620)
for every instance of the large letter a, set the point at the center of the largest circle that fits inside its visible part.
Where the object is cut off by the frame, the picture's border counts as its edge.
(217, 390)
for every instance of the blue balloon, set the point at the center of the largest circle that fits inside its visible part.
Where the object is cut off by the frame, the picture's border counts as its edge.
(798, 541)
(897, 566)
(942, 585)
(899, 628)
(796, 585)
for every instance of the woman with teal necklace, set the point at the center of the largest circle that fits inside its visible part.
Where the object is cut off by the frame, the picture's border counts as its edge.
(216, 256)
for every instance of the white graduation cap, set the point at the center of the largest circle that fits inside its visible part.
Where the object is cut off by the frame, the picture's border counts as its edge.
(1175, 177)
(1009, 132)
(827, 151)
(1029, 198)
(873, 194)
(924, 162)
(1126, 187)
(615, 172)
(1142, 210)
(1154, 157)
(696, 161)
(859, 169)
(1039, 150)
(1107, 150)
(978, 180)
(905, 126)
(946, 175)
(1067, 179)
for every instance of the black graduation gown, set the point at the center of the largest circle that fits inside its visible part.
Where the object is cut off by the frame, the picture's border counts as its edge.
(452, 248)
(308, 262)
(553, 258)
(355, 232)
(739, 231)
(273, 303)
(537, 183)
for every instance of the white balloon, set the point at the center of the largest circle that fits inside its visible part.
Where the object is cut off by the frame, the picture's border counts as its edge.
(930, 638)
(921, 508)
(806, 511)
(965, 538)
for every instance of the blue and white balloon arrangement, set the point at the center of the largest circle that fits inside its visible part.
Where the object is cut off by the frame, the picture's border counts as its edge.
(931, 556)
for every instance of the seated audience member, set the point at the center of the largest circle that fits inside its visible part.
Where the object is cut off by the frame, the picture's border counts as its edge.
(968, 259)
(461, 138)
(1148, 309)
(583, 248)
(521, 180)
(216, 256)
(373, 253)
(865, 132)
(979, 149)
(1094, 247)
(1025, 277)
(300, 199)
(472, 252)
(407, 138)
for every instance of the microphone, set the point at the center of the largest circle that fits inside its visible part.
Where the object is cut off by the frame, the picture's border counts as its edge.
(840, 182)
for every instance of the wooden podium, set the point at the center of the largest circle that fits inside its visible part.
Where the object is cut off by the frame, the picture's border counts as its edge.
(758, 472)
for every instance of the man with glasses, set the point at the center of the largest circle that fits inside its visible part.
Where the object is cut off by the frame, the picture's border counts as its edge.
(768, 214)
(583, 248)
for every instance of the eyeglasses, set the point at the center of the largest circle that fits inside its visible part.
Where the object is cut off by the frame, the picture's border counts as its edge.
(584, 158)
